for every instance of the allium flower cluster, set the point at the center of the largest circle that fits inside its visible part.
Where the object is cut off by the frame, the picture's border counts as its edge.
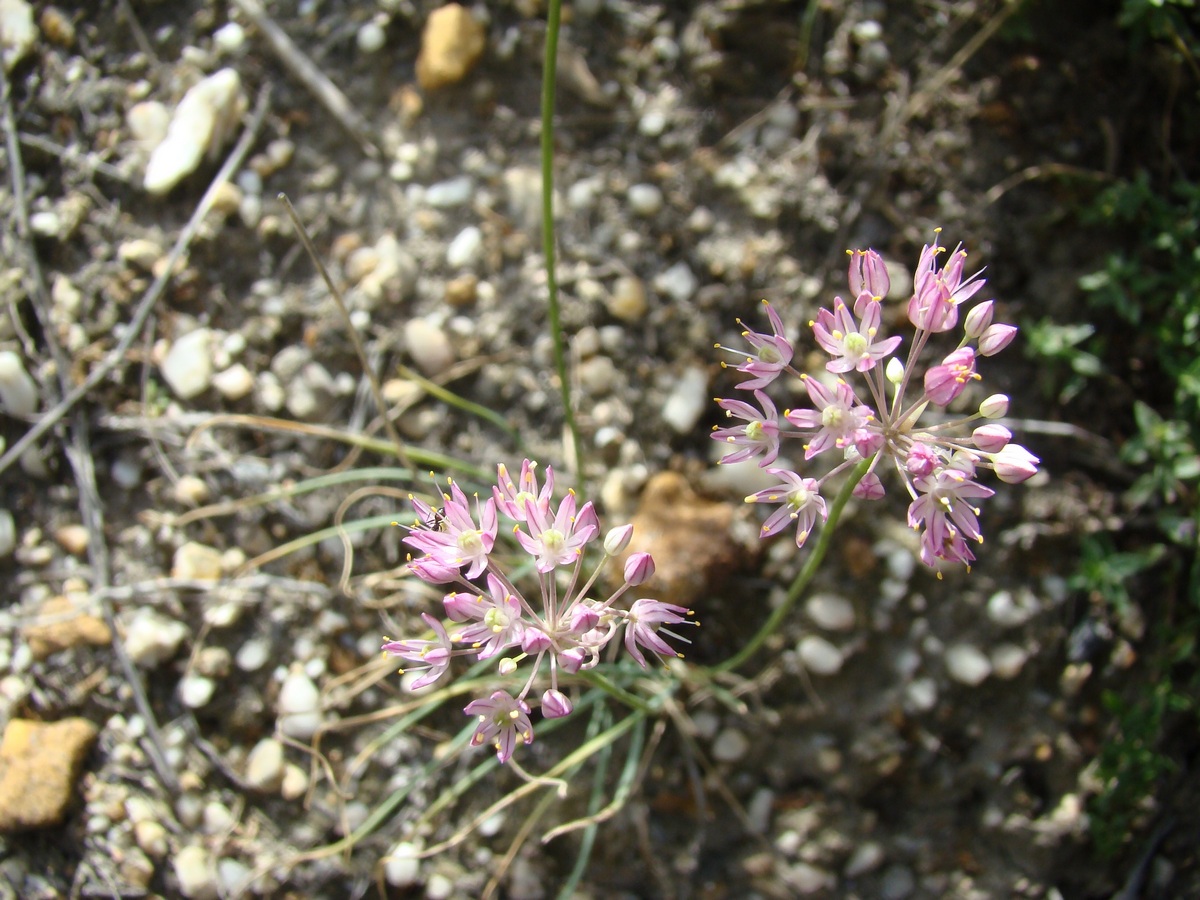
(561, 629)
(894, 413)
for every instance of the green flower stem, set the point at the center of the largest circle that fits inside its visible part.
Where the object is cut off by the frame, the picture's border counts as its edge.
(816, 556)
(549, 80)
(593, 677)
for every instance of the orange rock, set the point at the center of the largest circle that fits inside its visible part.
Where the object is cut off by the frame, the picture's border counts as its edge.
(39, 764)
(61, 625)
(451, 44)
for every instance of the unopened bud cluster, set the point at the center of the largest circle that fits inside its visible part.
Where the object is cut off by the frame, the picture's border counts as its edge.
(560, 629)
(896, 415)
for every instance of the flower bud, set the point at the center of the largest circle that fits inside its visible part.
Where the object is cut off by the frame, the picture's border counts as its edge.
(922, 460)
(894, 370)
(870, 488)
(639, 568)
(555, 704)
(617, 539)
(534, 641)
(508, 665)
(994, 407)
(991, 438)
(459, 606)
(571, 661)
(996, 338)
(583, 619)
(868, 272)
(1014, 464)
(978, 320)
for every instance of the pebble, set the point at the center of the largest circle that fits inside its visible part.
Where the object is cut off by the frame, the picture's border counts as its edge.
(151, 638)
(265, 765)
(151, 837)
(819, 656)
(18, 34)
(967, 664)
(196, 874)
(627, 301)
(466, 248)
(253, 655)
(867, 857)
(831, 612)
(394, 276)
(60, 624)
(898, 883)
(644, 199)
(191, 491)
(730, 745)
(234, 383)
(597, 376)
(72, 538)
(1008, 660)
(451, 44)
(462, 291)
(39, 766)
(439, 887)
(18, 392)
(371, 37)
(687, 401)
(299, 706)
(429, 347)
(8, 534)
(450, 193)
(187, 367)
(205, 117)
(805, 878)
(148, 122)
(1011, 610)
(402, 867)
(677, 282)
(194, 561)
(195, 691)
(234, 876)
(920, 695)
(229, 38)
(295, 782)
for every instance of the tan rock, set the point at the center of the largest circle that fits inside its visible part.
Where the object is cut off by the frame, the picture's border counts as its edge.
(39, 764)
(451, 44)
(196, 562)
(691, 539)
(60, 625)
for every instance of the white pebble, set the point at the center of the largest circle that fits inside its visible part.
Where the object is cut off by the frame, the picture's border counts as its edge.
(18, 34)
(151, 638)
(45, 223)
(8, 533)
(187, 367)
(465, 248)
(401, 867)
(429, 347)
(920, 695)
(371, 37)
(645, 199)
(1008, 660)
(688, 401)
(195, 691)
(234, 383)
(628, 299)
(819, 656)
(234, 876)
(252, 655)
(866, 857)
(439, 887)
(831, 612)
(299, 706)
(730, 745)
(148, 122)
(265, 765)
(151, 837)
(195, 873)
(229, 38)
(677, 282)
(205, 117)
(18, 392)
(452, 192)
(967, 664)
(1011, 610)
(652, 123)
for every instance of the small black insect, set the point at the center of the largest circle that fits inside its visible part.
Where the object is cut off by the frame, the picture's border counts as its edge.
(436, 520)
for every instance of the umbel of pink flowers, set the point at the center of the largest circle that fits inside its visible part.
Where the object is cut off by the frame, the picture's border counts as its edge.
(560, 628)
(895, 413)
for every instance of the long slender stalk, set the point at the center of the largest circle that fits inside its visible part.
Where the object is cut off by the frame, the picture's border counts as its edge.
(816, 556)
(549, 81)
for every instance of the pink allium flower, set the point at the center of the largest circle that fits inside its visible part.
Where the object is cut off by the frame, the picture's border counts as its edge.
(502, 719)
(497, 616)
(937, 293)
(868, 273)
(853, 346)
(945, 509)
(759, 436)
(996, 338)
(639, 568)
(510, 498)
(839, 419)
(945, 382)
(555, 704)
(802, 503)
(557, 542)
(460, 542)
(434, 654)
(642, 624)
(772, 353)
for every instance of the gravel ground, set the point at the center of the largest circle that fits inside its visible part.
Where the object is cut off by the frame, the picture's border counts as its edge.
(908, 736)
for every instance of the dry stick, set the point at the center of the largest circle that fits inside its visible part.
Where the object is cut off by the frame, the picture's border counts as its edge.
(376, 391)
(120, 352)
(312, 77)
